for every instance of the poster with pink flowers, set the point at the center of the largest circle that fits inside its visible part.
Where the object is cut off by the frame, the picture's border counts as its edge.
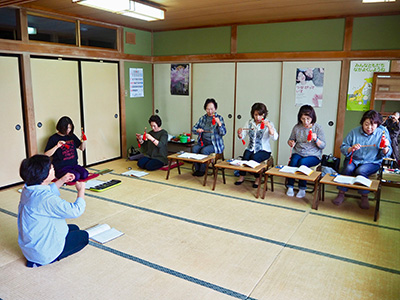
(309, 86)
(180, 79)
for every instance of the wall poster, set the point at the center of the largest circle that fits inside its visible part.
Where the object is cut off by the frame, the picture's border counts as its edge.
(136, 82)
(309, 86)
(360, 82)
(180, 79)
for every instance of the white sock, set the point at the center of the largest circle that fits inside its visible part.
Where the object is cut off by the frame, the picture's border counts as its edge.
(301, 194)
(290, 192)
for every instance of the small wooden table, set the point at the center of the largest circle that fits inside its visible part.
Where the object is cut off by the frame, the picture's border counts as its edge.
(176, 157)
(226, 165)
(375, 187)
(313, 177)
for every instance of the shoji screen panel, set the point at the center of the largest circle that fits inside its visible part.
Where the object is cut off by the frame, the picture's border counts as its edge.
(101, 110)
(326, 114)
(12, 134)
(215, 80)
(257, 82)
(55, 85)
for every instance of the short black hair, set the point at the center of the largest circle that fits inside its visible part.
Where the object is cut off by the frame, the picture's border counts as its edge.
(210, 100)
(62, 125)
(373, 116)
(260, 108)
(34, 170)
(156, 119)
(307, 110)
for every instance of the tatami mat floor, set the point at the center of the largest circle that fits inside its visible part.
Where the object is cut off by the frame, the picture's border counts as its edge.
(184, 241)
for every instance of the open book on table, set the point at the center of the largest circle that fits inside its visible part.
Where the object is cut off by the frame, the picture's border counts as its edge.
(103, 233)
(248, 163)
(192, 155)
(302, 169)
(353, 180)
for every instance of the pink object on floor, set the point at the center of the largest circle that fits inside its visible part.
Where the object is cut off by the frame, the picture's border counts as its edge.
(173, 165)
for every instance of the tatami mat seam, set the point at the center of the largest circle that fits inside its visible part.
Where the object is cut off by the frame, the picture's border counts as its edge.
(256, 202)
(354, 221)
(255, 237)
(223, 195)
(210, 192)
(172, 272)
(160, 268)
(301, 221)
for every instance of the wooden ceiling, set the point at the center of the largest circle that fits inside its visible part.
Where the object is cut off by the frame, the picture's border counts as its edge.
(183, 14)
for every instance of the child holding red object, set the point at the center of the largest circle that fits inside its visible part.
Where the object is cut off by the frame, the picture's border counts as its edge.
(62, 146)
(260, 131)
(362, 160)
(43, 234)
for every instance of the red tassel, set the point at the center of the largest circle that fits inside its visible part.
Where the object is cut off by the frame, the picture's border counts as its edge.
(351, 157)
(144, 135)
(309, 136)
(84, 138)
(382, 144)
(243, 142)
(213, 120)
(262, 126)
(139, 144)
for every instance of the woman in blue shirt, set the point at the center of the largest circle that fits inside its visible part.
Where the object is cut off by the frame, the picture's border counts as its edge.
(363, 153)
(43, 235)
(210, 128)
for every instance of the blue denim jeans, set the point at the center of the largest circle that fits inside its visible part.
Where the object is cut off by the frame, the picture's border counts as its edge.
(206, 150)
(296, 161)
(365, 170)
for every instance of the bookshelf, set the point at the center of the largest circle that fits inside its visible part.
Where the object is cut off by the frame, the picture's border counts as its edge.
(385, 89)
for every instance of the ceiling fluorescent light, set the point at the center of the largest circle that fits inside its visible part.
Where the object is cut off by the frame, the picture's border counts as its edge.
(376, 1)
(137, 16)
(113, 6)
(147, 10)
(127, 8)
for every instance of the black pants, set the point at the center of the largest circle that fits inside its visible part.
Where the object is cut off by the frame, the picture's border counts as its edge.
(75, 241)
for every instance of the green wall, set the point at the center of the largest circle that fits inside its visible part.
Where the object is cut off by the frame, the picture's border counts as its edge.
(321, 35)
(143, 42)
(376, 33)
(369, 33)
(215, 40)
(138, 110)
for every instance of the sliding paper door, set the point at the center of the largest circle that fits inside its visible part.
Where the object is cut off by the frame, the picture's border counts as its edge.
(215, 80)
(101, 110)
(11, 123)
(55, 85)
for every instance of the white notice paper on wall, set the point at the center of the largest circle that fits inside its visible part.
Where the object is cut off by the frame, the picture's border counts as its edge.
(136, 82)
